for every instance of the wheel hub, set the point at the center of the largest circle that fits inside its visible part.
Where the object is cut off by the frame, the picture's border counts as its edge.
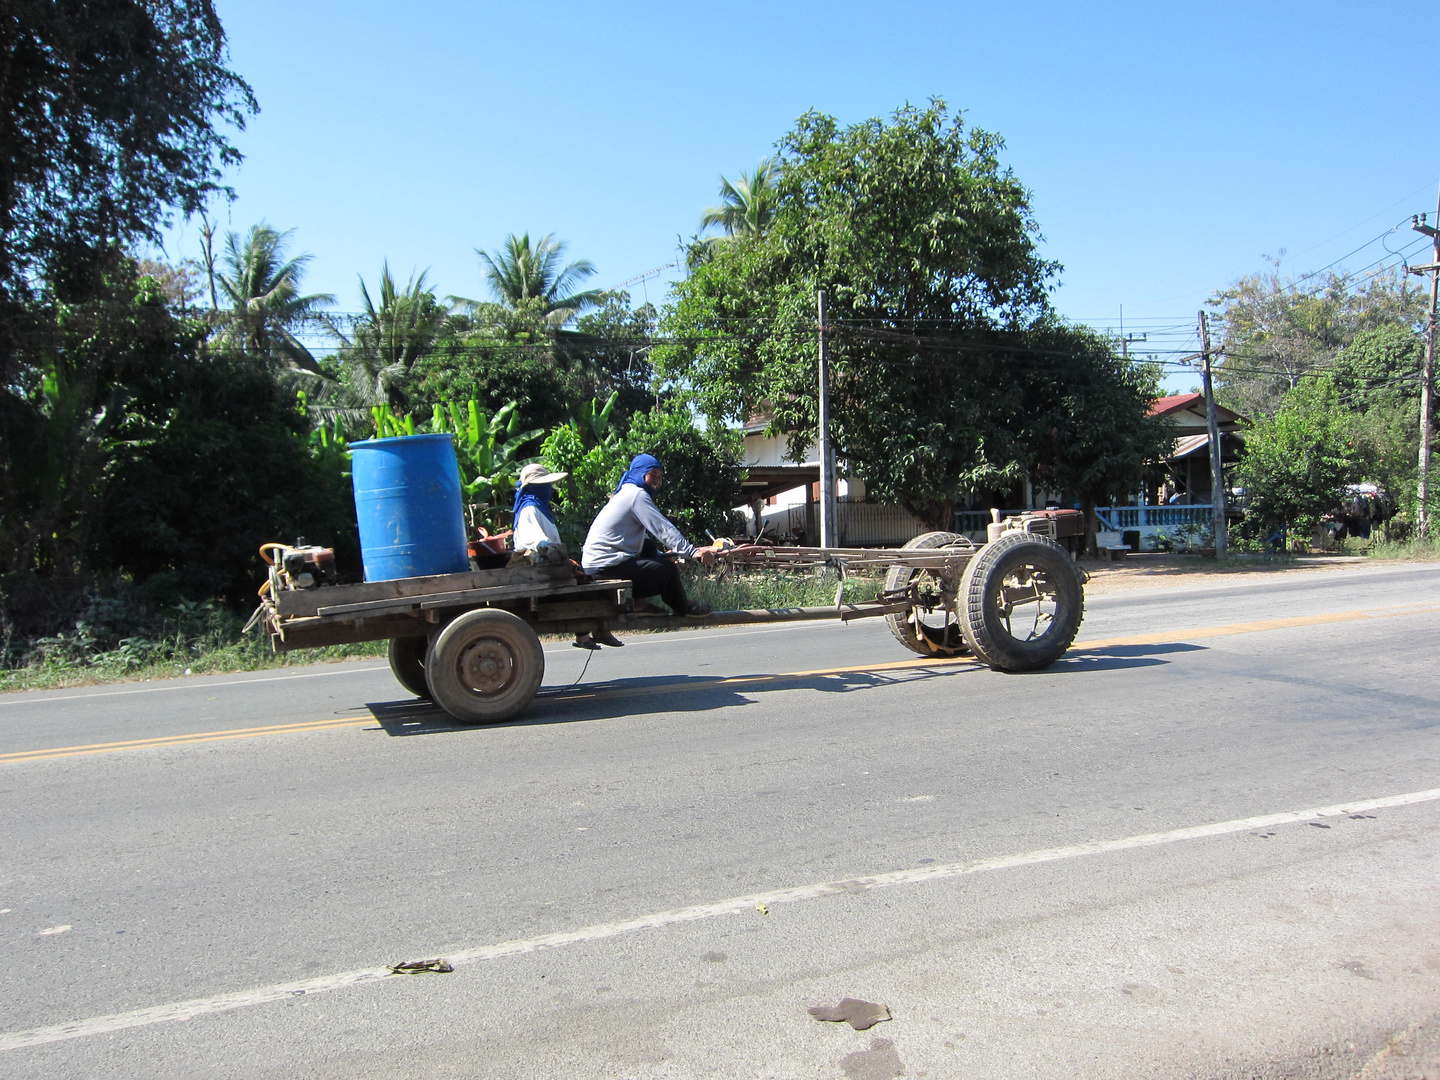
(486, 667)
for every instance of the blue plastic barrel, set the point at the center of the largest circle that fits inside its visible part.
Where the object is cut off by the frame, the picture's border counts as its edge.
(407, 503)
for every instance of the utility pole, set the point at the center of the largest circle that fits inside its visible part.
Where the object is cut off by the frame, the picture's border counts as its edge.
(827, 452)
(207, 251)
(1212, 424)
(1126, 339)
(1427, 374)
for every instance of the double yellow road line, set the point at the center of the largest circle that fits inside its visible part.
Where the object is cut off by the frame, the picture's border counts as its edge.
(594, 694)
(182, 740)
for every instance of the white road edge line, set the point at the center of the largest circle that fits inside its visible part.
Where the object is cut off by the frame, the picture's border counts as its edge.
(185, 1010)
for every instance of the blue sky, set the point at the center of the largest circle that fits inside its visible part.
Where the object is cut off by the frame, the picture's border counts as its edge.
(1168, 147)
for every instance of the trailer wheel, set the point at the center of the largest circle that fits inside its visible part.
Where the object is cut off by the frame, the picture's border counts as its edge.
(485, 666)
(1022, 602)
(407, 663)
(935, 630)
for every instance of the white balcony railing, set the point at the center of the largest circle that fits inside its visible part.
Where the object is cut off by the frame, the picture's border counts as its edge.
(1120, 518)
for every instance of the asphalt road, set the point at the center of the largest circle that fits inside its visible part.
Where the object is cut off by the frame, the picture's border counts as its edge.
(1203, 844)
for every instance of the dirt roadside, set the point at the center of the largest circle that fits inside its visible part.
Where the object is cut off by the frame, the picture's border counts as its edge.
(1168, 571)
(1190, 570)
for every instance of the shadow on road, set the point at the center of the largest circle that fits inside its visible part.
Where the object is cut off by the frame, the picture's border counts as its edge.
(657, 694)
(1117, 657)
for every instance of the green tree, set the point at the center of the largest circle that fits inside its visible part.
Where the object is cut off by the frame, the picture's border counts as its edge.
(1380, 368)
(1090, 432)
(926, 246)
(1298, 462)
(1275, 331)
(391, 336)
(609, 352)
(525, 276)
(93, 371)
(747, 206)
(209, 470)
(112, 112)
(266, 305)
(496, 355)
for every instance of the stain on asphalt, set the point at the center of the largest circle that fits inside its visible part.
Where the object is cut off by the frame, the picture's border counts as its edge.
(880, 1062)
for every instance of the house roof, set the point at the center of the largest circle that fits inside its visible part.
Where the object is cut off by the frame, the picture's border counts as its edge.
(1187, 412)
(1194, 444)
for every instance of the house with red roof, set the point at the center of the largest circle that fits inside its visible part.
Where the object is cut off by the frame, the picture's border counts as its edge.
(1175, 493)
(1187, 466)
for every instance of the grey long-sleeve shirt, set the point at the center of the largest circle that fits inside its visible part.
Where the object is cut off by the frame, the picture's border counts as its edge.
(619, 530)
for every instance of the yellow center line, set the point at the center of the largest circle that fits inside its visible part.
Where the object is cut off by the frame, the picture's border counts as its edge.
(1165, 637)
(193, 737)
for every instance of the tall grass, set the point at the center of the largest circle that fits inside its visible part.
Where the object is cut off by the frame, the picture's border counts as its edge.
(1412, 549)
(774, 589)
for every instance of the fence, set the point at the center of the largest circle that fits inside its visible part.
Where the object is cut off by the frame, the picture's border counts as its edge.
(1120, 518)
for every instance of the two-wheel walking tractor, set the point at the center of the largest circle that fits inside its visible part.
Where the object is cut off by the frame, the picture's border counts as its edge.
(471, 641)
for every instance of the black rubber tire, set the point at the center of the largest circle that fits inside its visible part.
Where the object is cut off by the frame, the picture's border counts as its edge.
(985, 621)
(407, 664)
(944, 641)
(485, 666)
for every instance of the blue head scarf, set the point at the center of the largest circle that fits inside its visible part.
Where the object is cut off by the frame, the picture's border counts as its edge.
(640, 464)
(536, 495)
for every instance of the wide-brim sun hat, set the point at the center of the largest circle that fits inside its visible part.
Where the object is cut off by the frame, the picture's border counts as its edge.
(536, 474)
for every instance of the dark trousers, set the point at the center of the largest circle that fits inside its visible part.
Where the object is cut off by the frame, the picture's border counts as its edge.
(650, 574)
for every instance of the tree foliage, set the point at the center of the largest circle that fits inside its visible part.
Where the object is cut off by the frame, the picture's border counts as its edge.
(526, 274)
(266, 306)
(1090, 433)
(125, 448)
(747, 205)
(112, 114)
(392, 334)
(1298, 462)
(1276, 332)
(944, 344)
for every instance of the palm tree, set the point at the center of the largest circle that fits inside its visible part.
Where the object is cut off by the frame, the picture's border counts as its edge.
(389, 338)
(263, 289)
(747, 206)
(524, 276)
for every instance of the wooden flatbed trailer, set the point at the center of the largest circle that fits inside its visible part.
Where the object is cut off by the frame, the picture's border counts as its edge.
(471, 641)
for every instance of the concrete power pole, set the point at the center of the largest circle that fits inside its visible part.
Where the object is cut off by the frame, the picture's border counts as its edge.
(827, 451)
(1212, 424)
(1427, 375)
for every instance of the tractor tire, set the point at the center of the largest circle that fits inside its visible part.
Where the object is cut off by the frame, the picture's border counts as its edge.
(997, 590)
(936, 633)
(485, 666)
(407, 664)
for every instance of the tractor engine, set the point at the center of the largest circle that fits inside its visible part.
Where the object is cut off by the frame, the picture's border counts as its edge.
(1065, 527)
(308, 567)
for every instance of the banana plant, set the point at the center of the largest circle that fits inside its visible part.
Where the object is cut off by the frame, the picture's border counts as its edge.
(593, 419)
(487, 448)
(388, 425)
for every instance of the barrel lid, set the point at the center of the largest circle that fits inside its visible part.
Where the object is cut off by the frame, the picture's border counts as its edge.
(383, 443)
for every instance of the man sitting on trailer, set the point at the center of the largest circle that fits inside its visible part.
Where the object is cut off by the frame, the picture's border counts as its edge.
(620, 544)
